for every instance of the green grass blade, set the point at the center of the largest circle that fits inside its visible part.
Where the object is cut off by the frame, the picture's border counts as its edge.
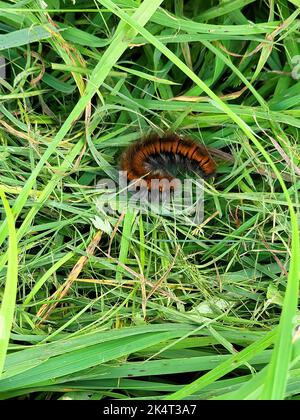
(25, 36)
(9, 297)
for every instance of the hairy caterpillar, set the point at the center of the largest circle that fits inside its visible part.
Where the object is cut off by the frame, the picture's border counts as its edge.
(165, 157)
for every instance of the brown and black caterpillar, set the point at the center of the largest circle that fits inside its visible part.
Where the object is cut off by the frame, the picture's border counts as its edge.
(164, 157)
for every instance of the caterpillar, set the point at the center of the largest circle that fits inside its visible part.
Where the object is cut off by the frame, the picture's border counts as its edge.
(165, 157)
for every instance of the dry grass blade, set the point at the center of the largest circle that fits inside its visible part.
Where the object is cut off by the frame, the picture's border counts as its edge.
(47, 309)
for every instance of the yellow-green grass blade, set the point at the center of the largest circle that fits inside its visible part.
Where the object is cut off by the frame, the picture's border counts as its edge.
(49, 362)
(9, 296)
(276, 380)
(25, 36)
(228, 366)
(125, 242)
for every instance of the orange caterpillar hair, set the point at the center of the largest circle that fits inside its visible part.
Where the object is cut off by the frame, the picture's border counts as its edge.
(163, 157)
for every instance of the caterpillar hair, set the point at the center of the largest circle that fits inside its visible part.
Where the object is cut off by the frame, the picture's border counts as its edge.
(165, 157)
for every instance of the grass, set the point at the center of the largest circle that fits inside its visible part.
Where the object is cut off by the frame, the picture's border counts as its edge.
(140, 305)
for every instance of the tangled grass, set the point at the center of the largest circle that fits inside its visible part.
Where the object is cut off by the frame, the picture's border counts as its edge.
(141, 305)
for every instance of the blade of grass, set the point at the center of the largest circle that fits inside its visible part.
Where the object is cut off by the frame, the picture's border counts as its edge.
(25, 36)
(228, 366)
(125, 242)
(86, 357)
(223, 9)
(10, 290)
